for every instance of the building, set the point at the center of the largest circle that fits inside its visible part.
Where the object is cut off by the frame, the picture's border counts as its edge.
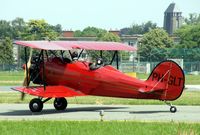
(172, 18)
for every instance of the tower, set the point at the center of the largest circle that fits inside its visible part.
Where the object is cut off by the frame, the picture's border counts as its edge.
(172, 18)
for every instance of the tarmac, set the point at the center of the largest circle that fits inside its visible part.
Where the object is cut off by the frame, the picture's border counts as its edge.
(111, 112)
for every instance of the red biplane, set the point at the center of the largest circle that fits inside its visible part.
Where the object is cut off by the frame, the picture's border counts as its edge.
(59, 77)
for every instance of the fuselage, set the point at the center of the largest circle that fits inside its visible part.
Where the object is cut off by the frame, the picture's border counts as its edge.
(104, 81)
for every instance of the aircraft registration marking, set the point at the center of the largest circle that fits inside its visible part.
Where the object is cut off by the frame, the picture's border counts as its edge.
(173, 80)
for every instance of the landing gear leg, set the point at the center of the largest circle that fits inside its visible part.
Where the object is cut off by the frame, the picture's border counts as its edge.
(172, 108)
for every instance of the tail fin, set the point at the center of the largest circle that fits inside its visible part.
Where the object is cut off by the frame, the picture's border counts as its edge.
(168, 78)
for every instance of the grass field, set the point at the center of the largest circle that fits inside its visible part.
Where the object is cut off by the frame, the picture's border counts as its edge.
(97, 128)
(187, 98)
(16, 78)
(11, 76)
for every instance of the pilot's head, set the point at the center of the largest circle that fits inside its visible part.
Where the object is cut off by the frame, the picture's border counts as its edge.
(74, 54)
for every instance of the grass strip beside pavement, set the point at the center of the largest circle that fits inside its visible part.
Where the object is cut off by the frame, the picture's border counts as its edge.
(187, 98)
(97, 128)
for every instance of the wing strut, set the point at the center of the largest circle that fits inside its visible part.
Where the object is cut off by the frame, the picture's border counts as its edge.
(26, 60)
(113, 58)
(80, 53)
(43, 67)
(70, 53)
(101, 54)
(117, 59)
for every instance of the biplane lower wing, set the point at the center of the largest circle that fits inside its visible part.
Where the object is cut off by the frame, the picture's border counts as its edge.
(50, 91)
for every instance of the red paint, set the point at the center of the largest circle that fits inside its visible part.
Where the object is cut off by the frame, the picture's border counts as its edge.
(165, 83)
(50, 91)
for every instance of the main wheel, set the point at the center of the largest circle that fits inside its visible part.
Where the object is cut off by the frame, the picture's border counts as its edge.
(60, 103)
(36, 105)
(173, 109)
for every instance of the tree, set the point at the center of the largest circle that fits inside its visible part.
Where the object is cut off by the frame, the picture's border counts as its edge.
(146, 27)
(135, 29)
(6, 51)
(193, 19)
(189, 41)
(19, 27)
(41, 30)
(138, 29)
(90, 32)
(124, 31)
(109, 37)
(154, 44)
(5, 29)
(57, 28)
(189, 36)
(77, 33)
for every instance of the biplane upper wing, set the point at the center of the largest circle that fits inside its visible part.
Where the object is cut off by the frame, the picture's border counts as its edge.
(68, 45)
(50, 91)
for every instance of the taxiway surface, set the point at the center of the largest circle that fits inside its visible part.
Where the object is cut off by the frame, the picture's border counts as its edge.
(111, 112)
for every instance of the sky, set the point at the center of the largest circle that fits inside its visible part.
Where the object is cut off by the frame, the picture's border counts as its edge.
(106, 14)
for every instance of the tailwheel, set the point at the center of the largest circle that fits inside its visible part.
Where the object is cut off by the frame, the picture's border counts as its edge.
(60, 103)
(36, 105)
(173, 109)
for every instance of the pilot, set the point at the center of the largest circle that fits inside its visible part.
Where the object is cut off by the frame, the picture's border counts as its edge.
(74, 55)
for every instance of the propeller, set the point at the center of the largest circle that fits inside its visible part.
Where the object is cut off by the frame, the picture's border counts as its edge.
(26, 81)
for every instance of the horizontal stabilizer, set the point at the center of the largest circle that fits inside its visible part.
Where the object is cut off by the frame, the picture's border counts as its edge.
(50, 91)
(151, 90)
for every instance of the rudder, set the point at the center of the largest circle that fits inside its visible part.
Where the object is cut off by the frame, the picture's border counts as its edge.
(169, 78)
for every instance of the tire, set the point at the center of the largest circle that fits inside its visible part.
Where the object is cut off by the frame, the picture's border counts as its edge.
(173, 109)
(36, 105)
(60, 103)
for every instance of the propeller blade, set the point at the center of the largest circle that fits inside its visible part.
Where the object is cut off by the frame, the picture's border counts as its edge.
(30, 57)
(22, 96)
(26, 81)
(27, 69)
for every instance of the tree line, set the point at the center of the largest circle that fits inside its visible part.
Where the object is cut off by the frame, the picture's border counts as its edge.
(18, 29)
(155, 44)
